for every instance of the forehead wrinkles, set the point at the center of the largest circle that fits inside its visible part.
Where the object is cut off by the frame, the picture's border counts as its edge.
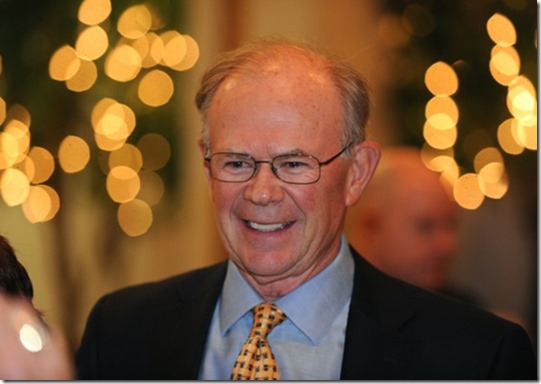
(275, 59)
(301, 96)
(298, 84)
(301, 68)
(281, 59)
(291, 76)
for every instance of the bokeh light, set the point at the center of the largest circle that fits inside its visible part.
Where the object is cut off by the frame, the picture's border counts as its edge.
(135, 22)
(93, 12)
(150, 48)
(92, 43)
(84, 78)
(494, 181)
(437, 160)
(27, 167)
(128, 155)
(522, 103)
(8, 153)
(175, 48)
(155, 88)
(134, 217)
(442, 105)
(73, 154)
(467, 191)
(122, 184)
(123, 63)
(508, 137)
(43, 164)
(514, 135)
(113, 123)
(190, 57)
(14, 187)
(440, 138)
(504, 64)
(490, 167)
(64, 63)
(97, 55)
(501, 30)
(441, 79)
(42, 204)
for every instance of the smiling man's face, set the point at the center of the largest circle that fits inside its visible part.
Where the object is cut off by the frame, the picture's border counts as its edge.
(275, 231)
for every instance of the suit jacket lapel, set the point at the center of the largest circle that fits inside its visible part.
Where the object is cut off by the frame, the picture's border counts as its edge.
(182, 330)
(375, 346)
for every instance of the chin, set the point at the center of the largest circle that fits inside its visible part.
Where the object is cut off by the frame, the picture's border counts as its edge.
(265, 264)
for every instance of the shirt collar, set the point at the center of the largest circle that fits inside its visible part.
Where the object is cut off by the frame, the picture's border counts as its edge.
(312, 307)
(238, 297)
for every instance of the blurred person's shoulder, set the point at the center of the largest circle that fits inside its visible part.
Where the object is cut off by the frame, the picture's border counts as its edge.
(432, 312)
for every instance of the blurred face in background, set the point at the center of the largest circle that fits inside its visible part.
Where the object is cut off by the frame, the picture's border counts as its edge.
(406, 224)
(416, 235)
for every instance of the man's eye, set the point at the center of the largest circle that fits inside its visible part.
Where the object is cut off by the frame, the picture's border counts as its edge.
(236, 164)
(294, 164)
(425, 226)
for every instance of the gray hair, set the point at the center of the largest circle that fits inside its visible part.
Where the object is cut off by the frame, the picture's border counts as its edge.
(252, 57)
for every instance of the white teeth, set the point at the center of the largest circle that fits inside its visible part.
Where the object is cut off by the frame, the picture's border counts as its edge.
(266, 227)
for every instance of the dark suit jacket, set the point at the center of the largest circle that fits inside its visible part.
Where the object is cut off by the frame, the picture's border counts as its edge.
(394, 331)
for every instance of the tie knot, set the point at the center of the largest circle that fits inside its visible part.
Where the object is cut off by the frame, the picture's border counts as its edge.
(256, 360)
(266, 317)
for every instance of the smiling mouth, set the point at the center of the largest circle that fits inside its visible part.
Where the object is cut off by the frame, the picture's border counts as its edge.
(268, 227)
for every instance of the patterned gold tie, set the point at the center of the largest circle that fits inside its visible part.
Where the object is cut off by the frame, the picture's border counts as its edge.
(255, 360)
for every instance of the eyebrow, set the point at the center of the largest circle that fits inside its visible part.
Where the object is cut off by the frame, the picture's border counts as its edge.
(291, 152)
(296, 151)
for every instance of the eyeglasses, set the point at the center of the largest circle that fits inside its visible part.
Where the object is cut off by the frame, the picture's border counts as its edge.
(232, 167)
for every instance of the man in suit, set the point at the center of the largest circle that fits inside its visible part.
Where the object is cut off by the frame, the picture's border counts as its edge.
(285, 154)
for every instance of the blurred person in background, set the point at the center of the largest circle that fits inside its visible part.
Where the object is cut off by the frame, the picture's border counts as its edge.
(30, 349)
(406, 224)
(14, 279)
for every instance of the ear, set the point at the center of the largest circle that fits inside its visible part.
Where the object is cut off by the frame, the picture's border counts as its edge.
(204, 152)
(365, 158)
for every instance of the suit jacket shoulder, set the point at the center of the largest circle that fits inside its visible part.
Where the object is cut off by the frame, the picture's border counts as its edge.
(154, 330)
(394, 331)
(398, 331)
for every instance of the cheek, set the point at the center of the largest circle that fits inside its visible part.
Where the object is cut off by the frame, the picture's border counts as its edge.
(305, 195)
(399, 235)
(222, 196)
(325, 202)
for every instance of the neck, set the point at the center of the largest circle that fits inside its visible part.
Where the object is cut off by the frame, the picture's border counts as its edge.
(273, 288)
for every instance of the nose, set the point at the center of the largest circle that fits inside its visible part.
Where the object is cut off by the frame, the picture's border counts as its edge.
(448, 240)
(445, 242)
(264, 187)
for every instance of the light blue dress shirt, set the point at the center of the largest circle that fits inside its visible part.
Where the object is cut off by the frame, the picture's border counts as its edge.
(308, 345)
